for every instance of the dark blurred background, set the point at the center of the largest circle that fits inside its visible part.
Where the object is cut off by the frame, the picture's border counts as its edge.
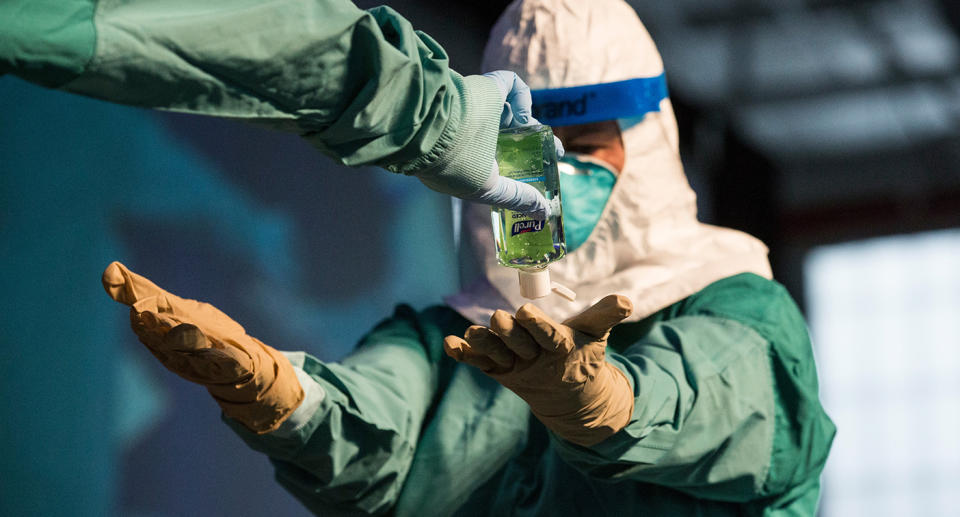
(829, 128)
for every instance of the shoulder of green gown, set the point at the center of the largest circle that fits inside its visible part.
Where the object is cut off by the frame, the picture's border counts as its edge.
(762, 304)
(803, 433)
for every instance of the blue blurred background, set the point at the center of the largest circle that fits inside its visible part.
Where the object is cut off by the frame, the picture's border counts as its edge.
(829, 128)
(259, 224)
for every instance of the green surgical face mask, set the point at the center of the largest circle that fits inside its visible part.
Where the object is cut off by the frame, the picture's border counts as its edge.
(585, 186)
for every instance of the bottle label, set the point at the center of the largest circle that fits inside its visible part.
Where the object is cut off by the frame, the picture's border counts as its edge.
(522, 240)
(527, 226)
(524, 162)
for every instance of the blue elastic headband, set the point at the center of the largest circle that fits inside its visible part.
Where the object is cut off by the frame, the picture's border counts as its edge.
(596, 102)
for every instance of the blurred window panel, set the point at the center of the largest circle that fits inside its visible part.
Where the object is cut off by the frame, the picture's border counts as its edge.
(885, 319)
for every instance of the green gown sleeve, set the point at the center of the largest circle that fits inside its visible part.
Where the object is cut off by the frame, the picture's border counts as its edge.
(726, 403)
(353, 453)
(362, 86)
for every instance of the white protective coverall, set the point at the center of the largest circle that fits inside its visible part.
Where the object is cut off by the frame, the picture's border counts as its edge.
(648, 244)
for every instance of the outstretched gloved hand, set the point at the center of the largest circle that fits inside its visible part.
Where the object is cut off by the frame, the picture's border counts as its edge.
(253, 383)
(560, 370)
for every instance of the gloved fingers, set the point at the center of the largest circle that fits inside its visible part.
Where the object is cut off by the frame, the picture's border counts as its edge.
(199, 359)
(457, 348)
(517, 102)
(506, 116)
(510, 194)
(515, 337)
(501, 77)
(212, 362)
(550, 335)
(127, 287)
(134, 290)
(597, 320)
(150, 326)
(211, 320)
(520, 101)
(483, 341)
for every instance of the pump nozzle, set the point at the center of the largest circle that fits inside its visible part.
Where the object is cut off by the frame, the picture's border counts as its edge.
(535, 283)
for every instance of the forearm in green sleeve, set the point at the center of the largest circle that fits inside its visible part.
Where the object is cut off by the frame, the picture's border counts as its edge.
(362, 86)
(346, 449)
(349, 446)
(662, 399)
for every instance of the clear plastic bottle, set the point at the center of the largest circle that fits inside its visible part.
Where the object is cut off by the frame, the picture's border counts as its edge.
(528, 154)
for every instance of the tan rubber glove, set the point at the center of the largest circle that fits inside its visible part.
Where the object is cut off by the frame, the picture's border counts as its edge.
(560, 370)
(253, 383)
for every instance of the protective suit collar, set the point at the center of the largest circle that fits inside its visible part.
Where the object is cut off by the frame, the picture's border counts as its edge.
(648, 244)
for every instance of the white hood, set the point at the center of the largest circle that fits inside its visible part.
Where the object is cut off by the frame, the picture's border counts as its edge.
(648, 244)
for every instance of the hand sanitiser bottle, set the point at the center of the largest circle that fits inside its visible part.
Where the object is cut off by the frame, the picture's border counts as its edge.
(528, 154)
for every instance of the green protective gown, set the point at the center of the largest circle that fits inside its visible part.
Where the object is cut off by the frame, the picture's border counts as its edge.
(727, 421)
(362, 86)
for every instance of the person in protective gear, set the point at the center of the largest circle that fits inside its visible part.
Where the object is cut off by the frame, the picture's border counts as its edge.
(361, 86)
(681, 381)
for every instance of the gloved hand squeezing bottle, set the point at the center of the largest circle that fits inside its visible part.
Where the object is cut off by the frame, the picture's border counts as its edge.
(472, 174)
(560, 370)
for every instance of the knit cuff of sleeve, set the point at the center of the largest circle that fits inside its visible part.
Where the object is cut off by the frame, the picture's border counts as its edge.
(461, 162)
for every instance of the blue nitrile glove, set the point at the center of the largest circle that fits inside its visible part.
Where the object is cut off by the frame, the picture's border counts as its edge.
(517, 111)
(517, 102)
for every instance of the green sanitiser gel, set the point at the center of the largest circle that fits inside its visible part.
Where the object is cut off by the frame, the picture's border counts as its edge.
(528, 154)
